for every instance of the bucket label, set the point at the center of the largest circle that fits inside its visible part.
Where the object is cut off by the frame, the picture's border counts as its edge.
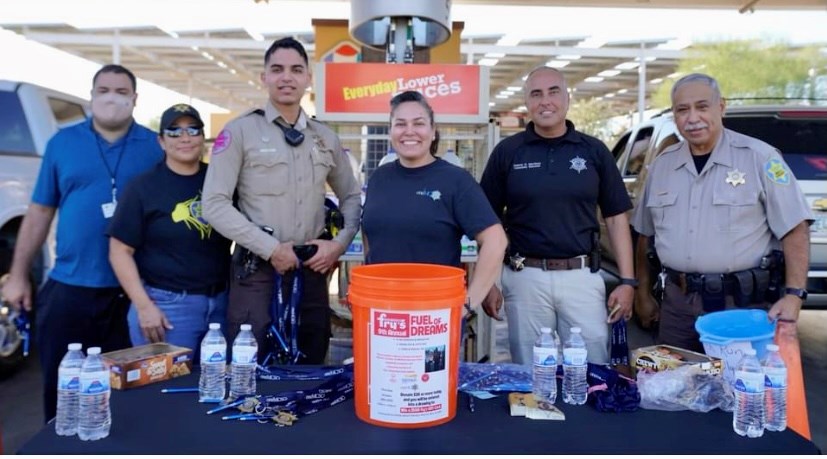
(409, 365)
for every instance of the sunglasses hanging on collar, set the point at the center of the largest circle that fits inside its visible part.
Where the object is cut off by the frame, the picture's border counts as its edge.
(292, 136)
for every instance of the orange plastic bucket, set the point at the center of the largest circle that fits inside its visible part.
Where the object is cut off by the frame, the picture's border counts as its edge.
(406, 333)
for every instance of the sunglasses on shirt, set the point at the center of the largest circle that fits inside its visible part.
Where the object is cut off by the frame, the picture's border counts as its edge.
(179, 131)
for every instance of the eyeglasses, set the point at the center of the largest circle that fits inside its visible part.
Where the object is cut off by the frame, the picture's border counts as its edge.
(179, 131)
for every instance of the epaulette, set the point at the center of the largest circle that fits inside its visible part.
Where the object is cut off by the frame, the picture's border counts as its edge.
(251, 111)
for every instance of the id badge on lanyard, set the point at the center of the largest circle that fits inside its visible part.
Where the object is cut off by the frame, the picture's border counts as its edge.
(108, 208)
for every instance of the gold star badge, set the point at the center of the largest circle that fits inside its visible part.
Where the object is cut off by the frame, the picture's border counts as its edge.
(735, 178)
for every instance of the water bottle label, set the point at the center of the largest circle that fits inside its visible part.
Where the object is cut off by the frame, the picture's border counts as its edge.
(69, 379)
(95, 382)
(544, 356)
(574, 356)
(749, 382)
(775, 378)
(244, 354)
(211, 353)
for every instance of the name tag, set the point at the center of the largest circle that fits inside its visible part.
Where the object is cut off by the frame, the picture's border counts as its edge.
(108, 209)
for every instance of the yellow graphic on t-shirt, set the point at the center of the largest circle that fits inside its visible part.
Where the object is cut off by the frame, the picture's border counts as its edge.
(189, 212)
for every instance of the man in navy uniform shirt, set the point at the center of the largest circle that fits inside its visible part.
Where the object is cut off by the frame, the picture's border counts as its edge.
(545, 184)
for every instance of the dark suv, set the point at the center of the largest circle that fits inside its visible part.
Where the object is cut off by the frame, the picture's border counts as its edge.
(799, 132)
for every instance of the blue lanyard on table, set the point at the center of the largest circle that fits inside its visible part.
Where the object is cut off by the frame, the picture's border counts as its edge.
(277, 373)
(285, 319)
(285, 407)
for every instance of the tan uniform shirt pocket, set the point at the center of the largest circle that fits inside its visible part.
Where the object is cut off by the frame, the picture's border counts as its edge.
(269, 172)
(662, 207)
(735, 210)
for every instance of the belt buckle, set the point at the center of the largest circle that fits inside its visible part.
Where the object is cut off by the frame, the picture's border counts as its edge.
(517, 262)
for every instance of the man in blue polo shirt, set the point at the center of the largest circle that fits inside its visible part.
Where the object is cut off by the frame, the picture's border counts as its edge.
(84, 169)
(545, 184)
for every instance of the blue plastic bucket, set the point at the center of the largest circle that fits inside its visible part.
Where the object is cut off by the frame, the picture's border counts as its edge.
(727, 334)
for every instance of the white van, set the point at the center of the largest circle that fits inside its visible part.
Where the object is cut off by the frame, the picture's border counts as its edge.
(29, 116)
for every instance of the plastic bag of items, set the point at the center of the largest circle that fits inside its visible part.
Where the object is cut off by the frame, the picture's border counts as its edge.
(687, 387)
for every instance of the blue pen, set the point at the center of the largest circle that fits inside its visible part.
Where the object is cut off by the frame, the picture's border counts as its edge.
(224, 407)
(172, 390)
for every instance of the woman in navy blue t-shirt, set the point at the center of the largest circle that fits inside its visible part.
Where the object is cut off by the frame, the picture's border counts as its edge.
(418, 207)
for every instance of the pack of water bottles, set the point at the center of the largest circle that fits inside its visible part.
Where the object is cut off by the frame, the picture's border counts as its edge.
(212, 385)
(83, 395)
(760, 394)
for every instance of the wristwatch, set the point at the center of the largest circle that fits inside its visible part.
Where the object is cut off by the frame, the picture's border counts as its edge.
(631, 282)
(799, 292)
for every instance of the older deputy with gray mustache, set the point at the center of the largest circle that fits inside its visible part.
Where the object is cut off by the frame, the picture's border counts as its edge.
(721, 206)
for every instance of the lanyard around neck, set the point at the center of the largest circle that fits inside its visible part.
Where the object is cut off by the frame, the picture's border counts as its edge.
(112, 172)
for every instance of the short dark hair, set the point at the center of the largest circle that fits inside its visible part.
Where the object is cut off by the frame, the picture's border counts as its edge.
(415, 96)
(115, 68)
(286, 43)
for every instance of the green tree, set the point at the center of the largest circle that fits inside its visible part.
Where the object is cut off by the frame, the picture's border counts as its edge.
(154, 124)
(593, 117)
(751, 69)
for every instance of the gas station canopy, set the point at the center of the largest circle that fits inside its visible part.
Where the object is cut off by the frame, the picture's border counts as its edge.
(222, 66)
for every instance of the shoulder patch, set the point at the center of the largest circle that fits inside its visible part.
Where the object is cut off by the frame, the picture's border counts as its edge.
(222, 142)
(777, 171)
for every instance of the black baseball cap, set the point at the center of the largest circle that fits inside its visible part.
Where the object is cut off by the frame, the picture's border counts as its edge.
(178, 110)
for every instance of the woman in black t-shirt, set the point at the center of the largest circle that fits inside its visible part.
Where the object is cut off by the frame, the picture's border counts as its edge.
(168, 259)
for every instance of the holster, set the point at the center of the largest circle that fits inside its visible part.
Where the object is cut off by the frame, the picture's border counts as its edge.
(761, 279)
(245, 262)
(713, 294)
(594, 260)
(776, 276)
(744, 288)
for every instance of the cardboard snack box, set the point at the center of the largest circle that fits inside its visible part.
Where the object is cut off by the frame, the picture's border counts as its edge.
(663, 357)
(141, 365)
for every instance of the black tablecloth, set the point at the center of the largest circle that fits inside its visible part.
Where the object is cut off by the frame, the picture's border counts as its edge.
(145, 421)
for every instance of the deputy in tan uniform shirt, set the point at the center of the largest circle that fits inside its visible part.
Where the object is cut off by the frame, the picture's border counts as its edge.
(282, 186)
(717, 203)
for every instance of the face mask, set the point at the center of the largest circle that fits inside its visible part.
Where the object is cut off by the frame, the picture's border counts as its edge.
(112, 109)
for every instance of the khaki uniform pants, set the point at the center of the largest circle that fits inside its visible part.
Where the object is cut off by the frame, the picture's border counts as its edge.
(558, 299)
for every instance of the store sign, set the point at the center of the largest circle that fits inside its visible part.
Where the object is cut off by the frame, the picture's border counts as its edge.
(362, 91)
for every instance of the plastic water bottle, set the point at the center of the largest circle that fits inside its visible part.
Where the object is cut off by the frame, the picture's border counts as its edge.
(245, 350)
(211, 385)
(574, 368)
(68, 385)
(748, 416)
(545, 367)
(775, 390)
(95, 419)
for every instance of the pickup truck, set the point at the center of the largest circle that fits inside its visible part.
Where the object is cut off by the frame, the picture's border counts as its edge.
(29, 117)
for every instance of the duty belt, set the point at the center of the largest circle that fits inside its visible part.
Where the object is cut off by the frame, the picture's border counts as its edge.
(557, 264)
(745, 287)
